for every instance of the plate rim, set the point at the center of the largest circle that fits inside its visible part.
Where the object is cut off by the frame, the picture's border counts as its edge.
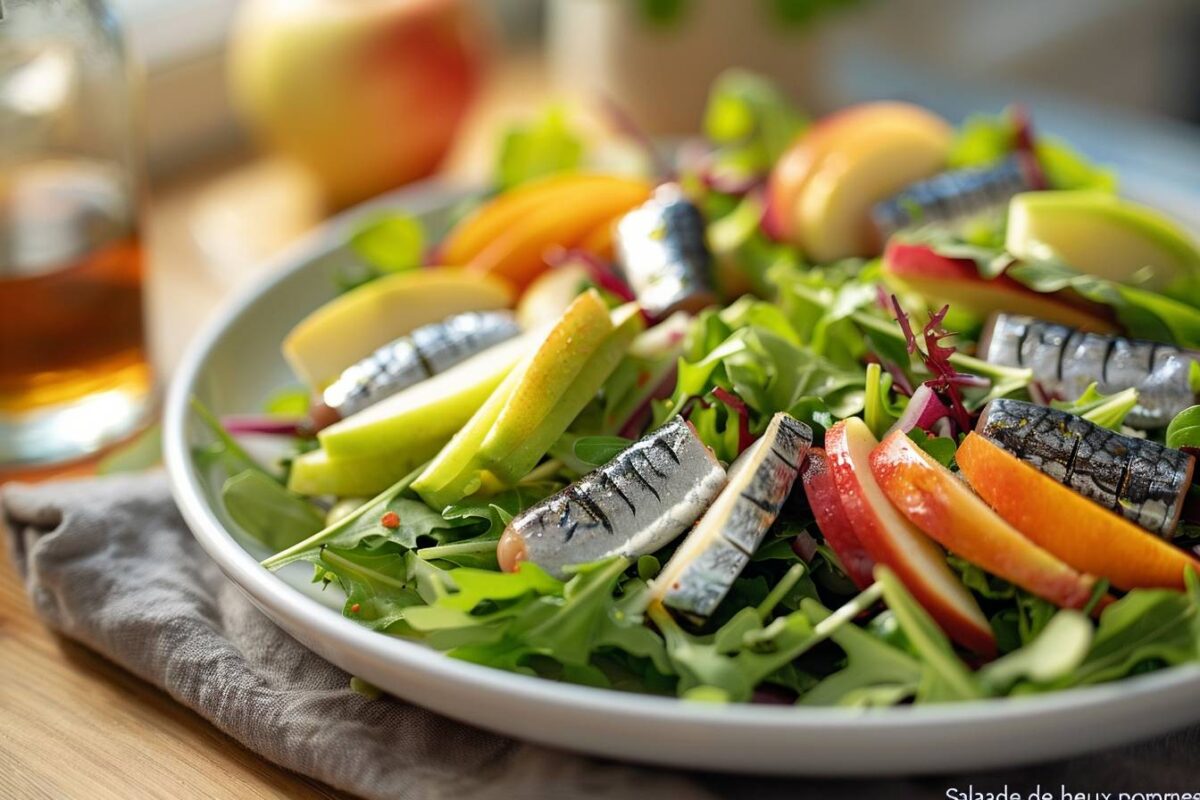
(277, 597)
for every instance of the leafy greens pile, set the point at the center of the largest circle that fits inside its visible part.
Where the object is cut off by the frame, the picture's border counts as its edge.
(824, 345)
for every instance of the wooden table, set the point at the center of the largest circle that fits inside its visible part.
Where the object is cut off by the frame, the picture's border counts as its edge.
(73, 725)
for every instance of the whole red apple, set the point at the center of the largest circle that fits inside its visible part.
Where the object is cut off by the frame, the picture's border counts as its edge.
(368, 94)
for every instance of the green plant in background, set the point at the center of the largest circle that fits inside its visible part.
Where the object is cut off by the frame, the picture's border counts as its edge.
(540, 147)
(786, 13)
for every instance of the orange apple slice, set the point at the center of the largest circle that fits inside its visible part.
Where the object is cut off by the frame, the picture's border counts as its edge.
(1085, 535)
(896, 543)
(517, 254)
(495, 217)
(944, 507)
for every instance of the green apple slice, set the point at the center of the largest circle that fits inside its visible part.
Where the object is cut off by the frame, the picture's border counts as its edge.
(354, 325)
(510, 458)
(315, 473)
(1102, 235)
(517, 410)
(430, 411)
(456, 472)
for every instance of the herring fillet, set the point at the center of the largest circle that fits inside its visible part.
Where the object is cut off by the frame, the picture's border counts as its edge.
(662, 252)
(956, 195)
(1141, 480)
(1065, 361)
(427, 351)
(648, 494)
(703, 569)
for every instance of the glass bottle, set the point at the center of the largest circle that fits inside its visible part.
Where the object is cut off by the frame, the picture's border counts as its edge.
(74, 370)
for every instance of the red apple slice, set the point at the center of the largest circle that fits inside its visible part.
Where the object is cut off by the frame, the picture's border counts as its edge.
(957, 281)
(831, 519)
(895, 542)
(945, 508)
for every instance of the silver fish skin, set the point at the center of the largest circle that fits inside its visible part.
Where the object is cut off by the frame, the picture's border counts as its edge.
(635, 504)
(703, 569)
(1065, 361)
(1141, 480)
(662, 253)
(957, 195)
(423, 353)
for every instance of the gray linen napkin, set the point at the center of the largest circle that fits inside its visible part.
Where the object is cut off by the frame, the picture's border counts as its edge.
(109, 562)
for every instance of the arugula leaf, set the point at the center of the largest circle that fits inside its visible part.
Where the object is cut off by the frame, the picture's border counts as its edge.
(1146, 625)
(543, 146)
(499, 509)
(586, 619)
(1107, 411)
(350, 529)
(476, 586)
(945, 677)
(516, 620)
(744, 652)
(1184, 430)
(1055, 653)
(870, 664)
(598, 450)
(391, 242)
(377, 585)
(942, 448)
(763, 364)
(263, 508)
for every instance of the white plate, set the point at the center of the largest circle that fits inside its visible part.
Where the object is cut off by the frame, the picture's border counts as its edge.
(235, 363)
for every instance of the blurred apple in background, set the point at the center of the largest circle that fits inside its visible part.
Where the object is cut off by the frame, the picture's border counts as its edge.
(367, 94)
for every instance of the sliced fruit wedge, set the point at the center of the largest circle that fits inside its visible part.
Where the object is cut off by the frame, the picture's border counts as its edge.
(520, 438)
(703, 569)
(918, 268)
(495, 217)
(548, 297)
(1090, 538)
(880, 153)
(518, 253)
(315, 473)
(1103, 235)
(896, 543)
(354, 325)
(530, 410)
(835, 527)
(945, 508)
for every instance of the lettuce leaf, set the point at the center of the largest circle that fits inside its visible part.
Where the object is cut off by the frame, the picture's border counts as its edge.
(750, 121)
(1184, 430)
(1146, 628)
(1143, 313)
(1107, 411)
(985, 139)
(540, 147)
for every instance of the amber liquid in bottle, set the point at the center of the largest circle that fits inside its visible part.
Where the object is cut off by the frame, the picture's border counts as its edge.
(71, 327)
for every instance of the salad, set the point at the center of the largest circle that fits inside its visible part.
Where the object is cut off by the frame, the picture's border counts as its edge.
(865, 410)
